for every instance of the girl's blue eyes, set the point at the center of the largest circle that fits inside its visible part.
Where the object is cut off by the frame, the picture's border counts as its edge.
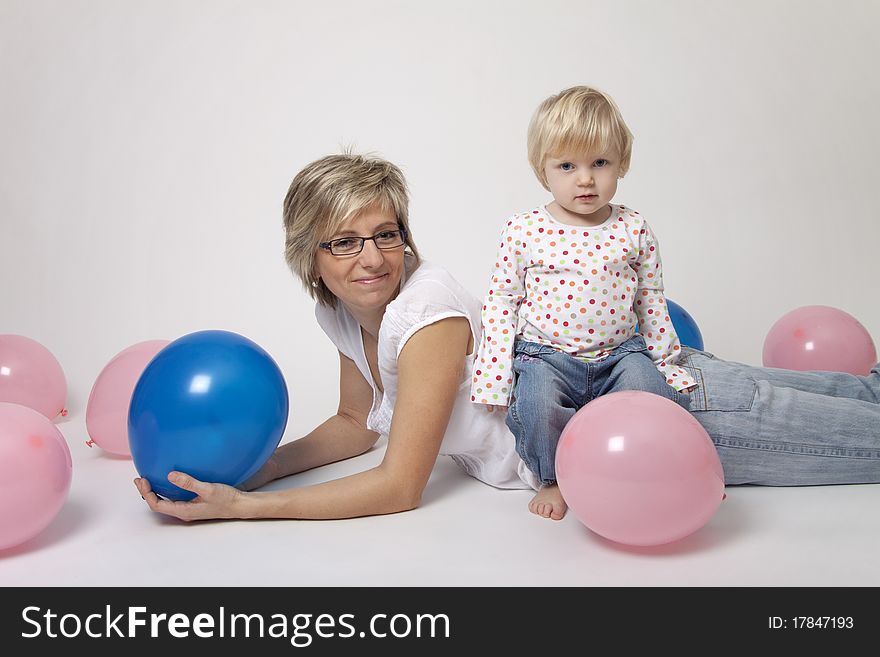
(568, 166)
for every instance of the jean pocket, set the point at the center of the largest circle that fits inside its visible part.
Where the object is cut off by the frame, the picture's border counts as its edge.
(720, 387)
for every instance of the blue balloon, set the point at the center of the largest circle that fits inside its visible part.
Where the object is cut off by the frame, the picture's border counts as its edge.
(212, 404)
(688, 332)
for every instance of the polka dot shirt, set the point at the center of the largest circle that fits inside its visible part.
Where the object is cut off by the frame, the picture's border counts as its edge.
(582, 290)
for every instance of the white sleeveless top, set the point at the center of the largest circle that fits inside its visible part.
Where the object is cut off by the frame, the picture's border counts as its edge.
(477, 440)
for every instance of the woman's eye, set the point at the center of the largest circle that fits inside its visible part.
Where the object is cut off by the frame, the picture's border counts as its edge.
(344, 243)
(386, 235)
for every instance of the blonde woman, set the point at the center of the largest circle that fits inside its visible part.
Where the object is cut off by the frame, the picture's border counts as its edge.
(405, 331)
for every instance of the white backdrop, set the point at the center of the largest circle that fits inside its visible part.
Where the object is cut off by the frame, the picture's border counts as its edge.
(147, 146)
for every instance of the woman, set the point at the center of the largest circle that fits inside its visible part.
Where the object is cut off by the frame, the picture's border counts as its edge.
(405, 332)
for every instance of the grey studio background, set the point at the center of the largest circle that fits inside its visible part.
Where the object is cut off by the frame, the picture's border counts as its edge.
(147, 147)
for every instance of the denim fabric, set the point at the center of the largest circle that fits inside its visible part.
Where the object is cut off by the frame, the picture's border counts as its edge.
(550, 387)
(784, 428)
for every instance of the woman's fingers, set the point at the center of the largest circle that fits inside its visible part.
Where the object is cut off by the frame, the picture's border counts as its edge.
(212, 501)
(147, 494)
(180, 510)
(187, 482)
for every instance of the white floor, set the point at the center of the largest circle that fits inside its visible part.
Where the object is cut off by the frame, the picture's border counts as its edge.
(466, 533)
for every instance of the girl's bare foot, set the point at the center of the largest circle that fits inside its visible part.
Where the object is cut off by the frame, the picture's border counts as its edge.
(548, 503)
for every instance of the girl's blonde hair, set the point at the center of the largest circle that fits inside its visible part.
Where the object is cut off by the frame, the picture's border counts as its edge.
(577, 120)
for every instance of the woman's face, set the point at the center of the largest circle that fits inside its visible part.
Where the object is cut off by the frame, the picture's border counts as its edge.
(368, 280)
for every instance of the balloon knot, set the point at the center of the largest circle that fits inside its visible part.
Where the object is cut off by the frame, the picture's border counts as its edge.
(63, 412)
(90, 442)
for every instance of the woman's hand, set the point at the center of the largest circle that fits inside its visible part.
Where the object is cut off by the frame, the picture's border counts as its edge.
(213, 501)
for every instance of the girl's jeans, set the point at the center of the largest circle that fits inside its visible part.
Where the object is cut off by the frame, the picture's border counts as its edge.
(550, 387)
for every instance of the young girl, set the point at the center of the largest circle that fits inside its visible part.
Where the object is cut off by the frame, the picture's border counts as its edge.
(575, 307)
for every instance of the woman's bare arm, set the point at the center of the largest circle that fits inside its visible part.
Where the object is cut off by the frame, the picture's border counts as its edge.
(430, 370)
(341, 436)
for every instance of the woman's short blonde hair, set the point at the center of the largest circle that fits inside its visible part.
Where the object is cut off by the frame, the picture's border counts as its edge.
(328, 193)
(577, 120)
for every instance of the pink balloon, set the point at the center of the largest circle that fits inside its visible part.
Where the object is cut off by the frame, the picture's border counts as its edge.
(31, 376)
(638, 469)
(107, 409)
(819, 338)
(35, 472)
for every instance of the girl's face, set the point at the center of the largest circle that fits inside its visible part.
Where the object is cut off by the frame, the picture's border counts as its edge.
(582, 185)
(369, 280)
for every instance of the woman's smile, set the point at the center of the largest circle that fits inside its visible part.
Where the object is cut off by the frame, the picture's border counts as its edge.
(372, 280)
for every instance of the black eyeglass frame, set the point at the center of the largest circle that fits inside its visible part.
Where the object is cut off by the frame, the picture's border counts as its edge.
(328, 246)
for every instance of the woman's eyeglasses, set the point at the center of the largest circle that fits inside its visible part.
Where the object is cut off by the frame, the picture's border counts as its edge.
(346, 246)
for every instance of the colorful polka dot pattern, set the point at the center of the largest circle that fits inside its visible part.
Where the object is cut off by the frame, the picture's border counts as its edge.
(581, 290)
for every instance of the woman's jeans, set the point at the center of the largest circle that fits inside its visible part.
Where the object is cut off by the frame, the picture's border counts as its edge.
(550, 387)
(784, 428)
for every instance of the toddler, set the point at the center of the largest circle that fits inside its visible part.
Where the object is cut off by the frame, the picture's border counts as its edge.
(575, 308)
